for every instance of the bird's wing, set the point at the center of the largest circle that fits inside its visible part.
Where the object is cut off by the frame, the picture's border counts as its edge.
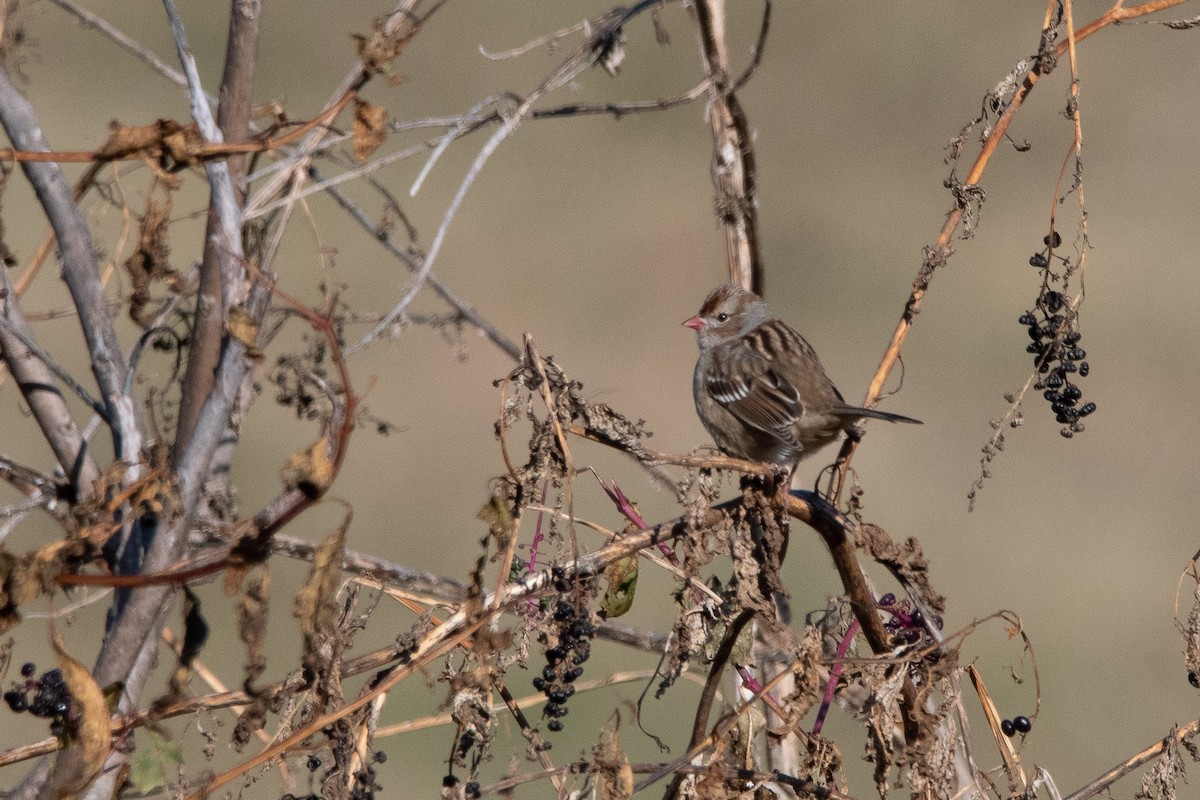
(744, 382)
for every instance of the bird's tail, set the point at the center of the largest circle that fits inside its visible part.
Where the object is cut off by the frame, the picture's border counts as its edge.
(872, 413)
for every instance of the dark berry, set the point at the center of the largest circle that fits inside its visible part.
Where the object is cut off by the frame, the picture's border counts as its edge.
(1083, 369)
(1072, 337)
(1033, 347)
(1194, 679)
(380, 756)
(554, 655)
(917, 619)
(17, 701)
(1088, 408)
(449, 781)
(27, 669)
(554, 726)
(471, 790)
(1007, 727)
(548, 672)
(558, 696)
(1052, 239)
(1038, 260)
(888, 599)
(1022, 724)
(1027, 319)
(552, 710)
(570, 675)
(1051, 395)
(313, 763)
(1078, 354)
(937, 622)
(912, 636)
(539, 683)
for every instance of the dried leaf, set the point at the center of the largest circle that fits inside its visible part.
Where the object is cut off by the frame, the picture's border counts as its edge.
(316, 604)
(252, 623)
(184, 145)
(129, 140)
(311, 471)
(242, 327)
(378, 49)
(370, 129)
(616, 773)
(149, 262)
(85, 756)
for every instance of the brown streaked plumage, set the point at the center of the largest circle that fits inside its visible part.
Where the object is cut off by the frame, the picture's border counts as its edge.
(759, 387)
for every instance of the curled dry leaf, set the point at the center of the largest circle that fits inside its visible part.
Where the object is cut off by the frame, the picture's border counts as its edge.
(316, 604)
(184, 145)
(311, 471)
(370, 129)
(150, 261)
(84, 759)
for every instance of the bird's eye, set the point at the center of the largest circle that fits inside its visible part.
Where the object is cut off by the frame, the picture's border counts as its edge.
(722, 317)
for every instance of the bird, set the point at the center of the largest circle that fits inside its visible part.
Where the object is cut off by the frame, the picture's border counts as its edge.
(760, 390)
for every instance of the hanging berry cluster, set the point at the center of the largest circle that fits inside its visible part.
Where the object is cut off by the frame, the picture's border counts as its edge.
(47, 697)
(1053, 326)
(564, 661)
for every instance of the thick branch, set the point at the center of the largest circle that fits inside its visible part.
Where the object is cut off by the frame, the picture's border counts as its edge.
(233, 118)
(79, 269)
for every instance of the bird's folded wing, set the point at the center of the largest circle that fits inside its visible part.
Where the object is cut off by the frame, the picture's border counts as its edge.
(745, 384)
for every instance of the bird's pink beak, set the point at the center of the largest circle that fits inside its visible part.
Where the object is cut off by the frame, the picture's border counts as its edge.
(695, 323)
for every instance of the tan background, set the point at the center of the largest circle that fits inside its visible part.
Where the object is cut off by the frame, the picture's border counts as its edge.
(598, 237)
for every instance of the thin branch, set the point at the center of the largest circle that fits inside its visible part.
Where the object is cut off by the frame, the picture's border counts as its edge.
(586, 54)
(1133, 762)
(464, 309)
(136, 48)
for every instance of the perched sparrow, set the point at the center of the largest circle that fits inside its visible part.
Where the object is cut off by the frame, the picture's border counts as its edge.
(760, 389)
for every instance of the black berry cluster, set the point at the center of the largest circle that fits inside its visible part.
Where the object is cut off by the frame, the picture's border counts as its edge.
(470, 789)
(1053, 329)
(564, 661)
(1018, 724)
(47, 697)
(906, 625)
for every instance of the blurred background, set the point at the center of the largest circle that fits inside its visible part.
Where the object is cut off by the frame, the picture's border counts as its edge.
(598, 237)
